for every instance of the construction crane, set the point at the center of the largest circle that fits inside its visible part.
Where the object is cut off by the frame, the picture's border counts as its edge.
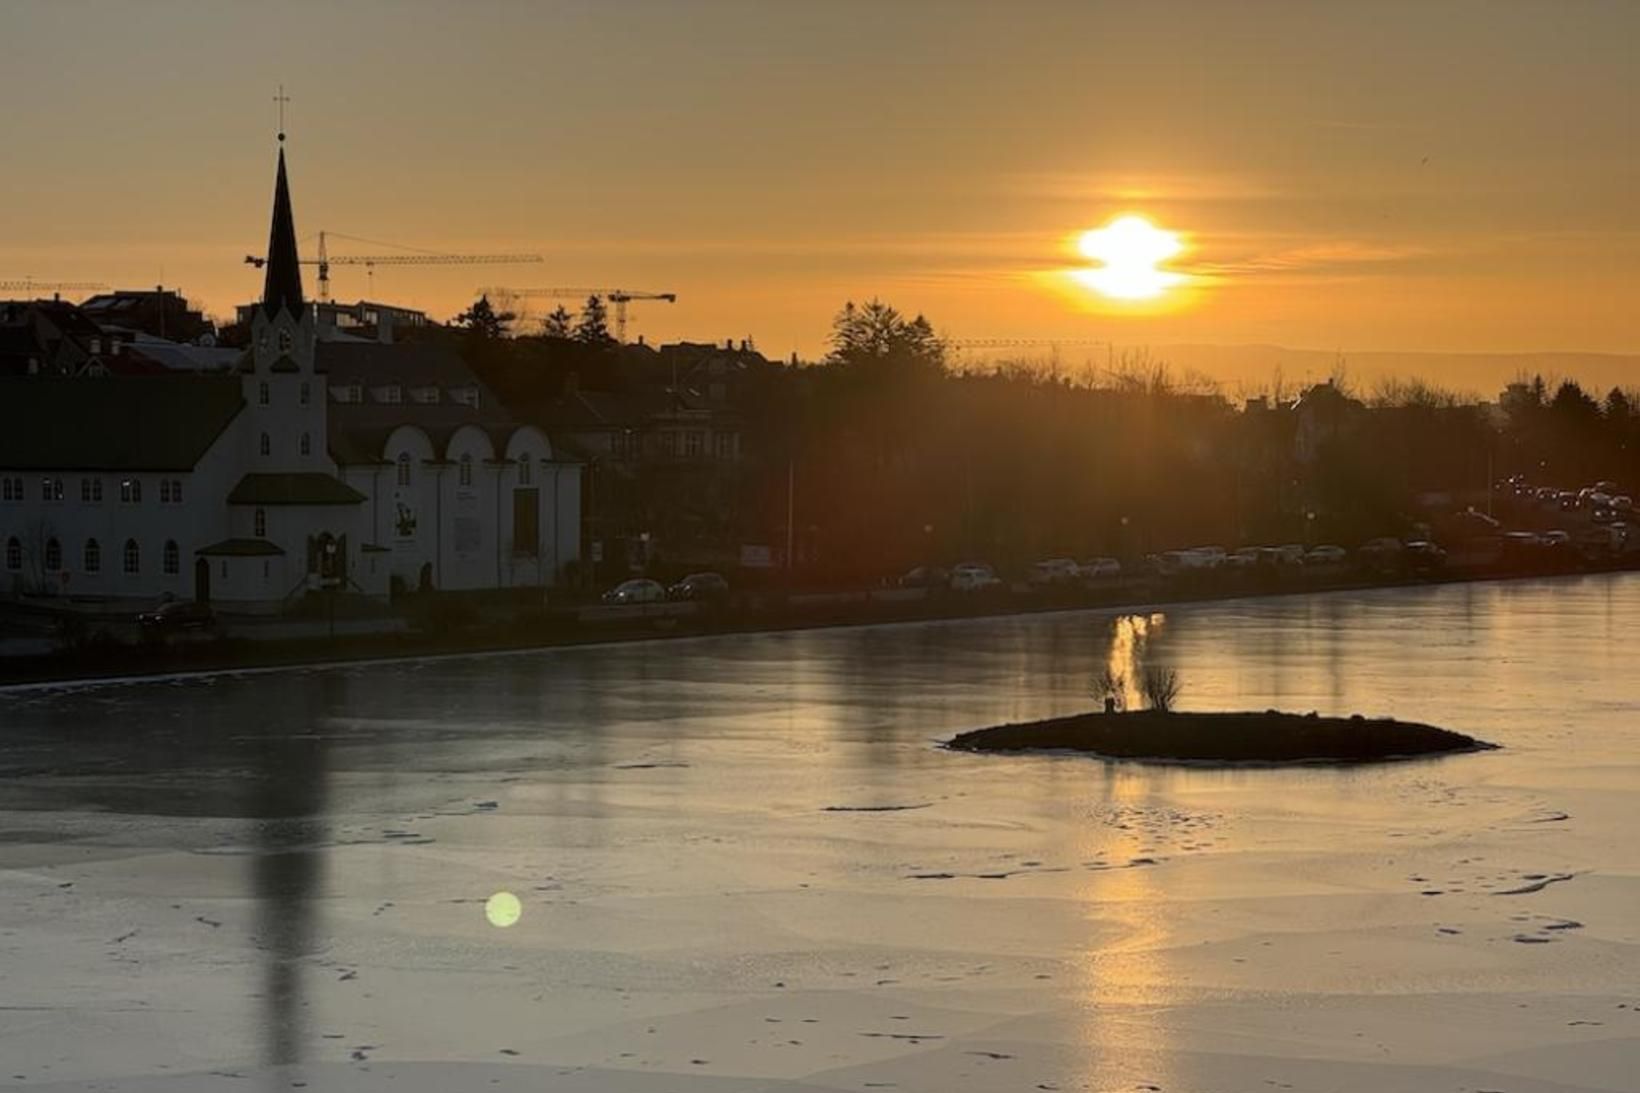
(1021, 343)
(408, 257)
(620, 297)
(29, 284)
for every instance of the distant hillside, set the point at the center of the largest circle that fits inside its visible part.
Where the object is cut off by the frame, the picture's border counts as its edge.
(1251, 369)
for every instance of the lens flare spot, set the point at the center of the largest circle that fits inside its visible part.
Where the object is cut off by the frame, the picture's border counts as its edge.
(503, 909)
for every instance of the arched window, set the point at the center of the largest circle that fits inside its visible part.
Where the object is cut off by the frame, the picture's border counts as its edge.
(133, 557)
(172, 560)
(263, 395)
(54, 555)
(525, 469)
(307, 444)
(267, 444)
(14, 554)
(260, 523)
(307, 393)
(465, 472)
(93, 556)
(404, 468)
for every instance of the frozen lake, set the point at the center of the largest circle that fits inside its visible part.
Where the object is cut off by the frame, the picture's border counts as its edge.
(740, 863)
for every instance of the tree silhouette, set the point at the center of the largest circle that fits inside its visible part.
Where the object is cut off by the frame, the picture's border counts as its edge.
(593, 326)
(559, 324)
(483, 321)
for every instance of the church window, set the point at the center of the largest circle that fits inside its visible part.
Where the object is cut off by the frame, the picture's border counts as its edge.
(14, 554)
(133, 557)
(524, 469)
(172, 559)
(259, 523)
(267, 444)
(93, 556)
(465, 471)
(284, 341)
(263, 395)
(307, 444)
(404, 468)
(54, 555)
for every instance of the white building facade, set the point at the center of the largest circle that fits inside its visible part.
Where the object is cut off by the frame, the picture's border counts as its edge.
(226, 488)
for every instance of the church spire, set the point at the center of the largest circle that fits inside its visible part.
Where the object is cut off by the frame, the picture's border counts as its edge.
(282, 288)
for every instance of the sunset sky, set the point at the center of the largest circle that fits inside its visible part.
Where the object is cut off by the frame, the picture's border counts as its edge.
(1344, 176)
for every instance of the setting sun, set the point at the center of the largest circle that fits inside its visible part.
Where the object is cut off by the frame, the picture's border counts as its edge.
(1130, 251)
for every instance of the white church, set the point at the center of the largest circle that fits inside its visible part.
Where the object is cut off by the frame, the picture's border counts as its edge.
(298, 471)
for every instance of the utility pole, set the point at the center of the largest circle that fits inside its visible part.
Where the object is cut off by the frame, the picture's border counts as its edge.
(791, 481)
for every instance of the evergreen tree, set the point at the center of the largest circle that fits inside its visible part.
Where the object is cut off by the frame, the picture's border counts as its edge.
(559, 324)
(483, 321)
(593, 326)
(878, 337)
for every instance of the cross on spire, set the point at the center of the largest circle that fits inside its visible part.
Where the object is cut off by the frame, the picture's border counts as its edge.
(281, 99)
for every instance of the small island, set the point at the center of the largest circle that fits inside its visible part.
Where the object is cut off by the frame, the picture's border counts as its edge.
(1271, 737)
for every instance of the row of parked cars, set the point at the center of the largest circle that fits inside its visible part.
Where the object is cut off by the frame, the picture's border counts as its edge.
(1602, 503)
(695, 588)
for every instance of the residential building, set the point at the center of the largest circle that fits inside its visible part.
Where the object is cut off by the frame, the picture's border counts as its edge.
(233, 487)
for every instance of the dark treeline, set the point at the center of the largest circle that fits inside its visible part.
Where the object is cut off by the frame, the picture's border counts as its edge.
(895, 455)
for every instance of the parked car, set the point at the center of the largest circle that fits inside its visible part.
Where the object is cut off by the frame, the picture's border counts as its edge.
(926, 576)
(1100, 569)
(700, 587)
(637, 590)
(1054, 571)
(178, 616)
(1423, 556)
(1326, 554)
(973, 577)
(1290, 554)
(1381, 555)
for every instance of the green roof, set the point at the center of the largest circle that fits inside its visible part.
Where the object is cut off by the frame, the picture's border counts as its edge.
(113, 423)
(296, 488)
(242, 548)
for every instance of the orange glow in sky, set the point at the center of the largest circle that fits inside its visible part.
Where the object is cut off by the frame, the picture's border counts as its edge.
(1441, 178)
